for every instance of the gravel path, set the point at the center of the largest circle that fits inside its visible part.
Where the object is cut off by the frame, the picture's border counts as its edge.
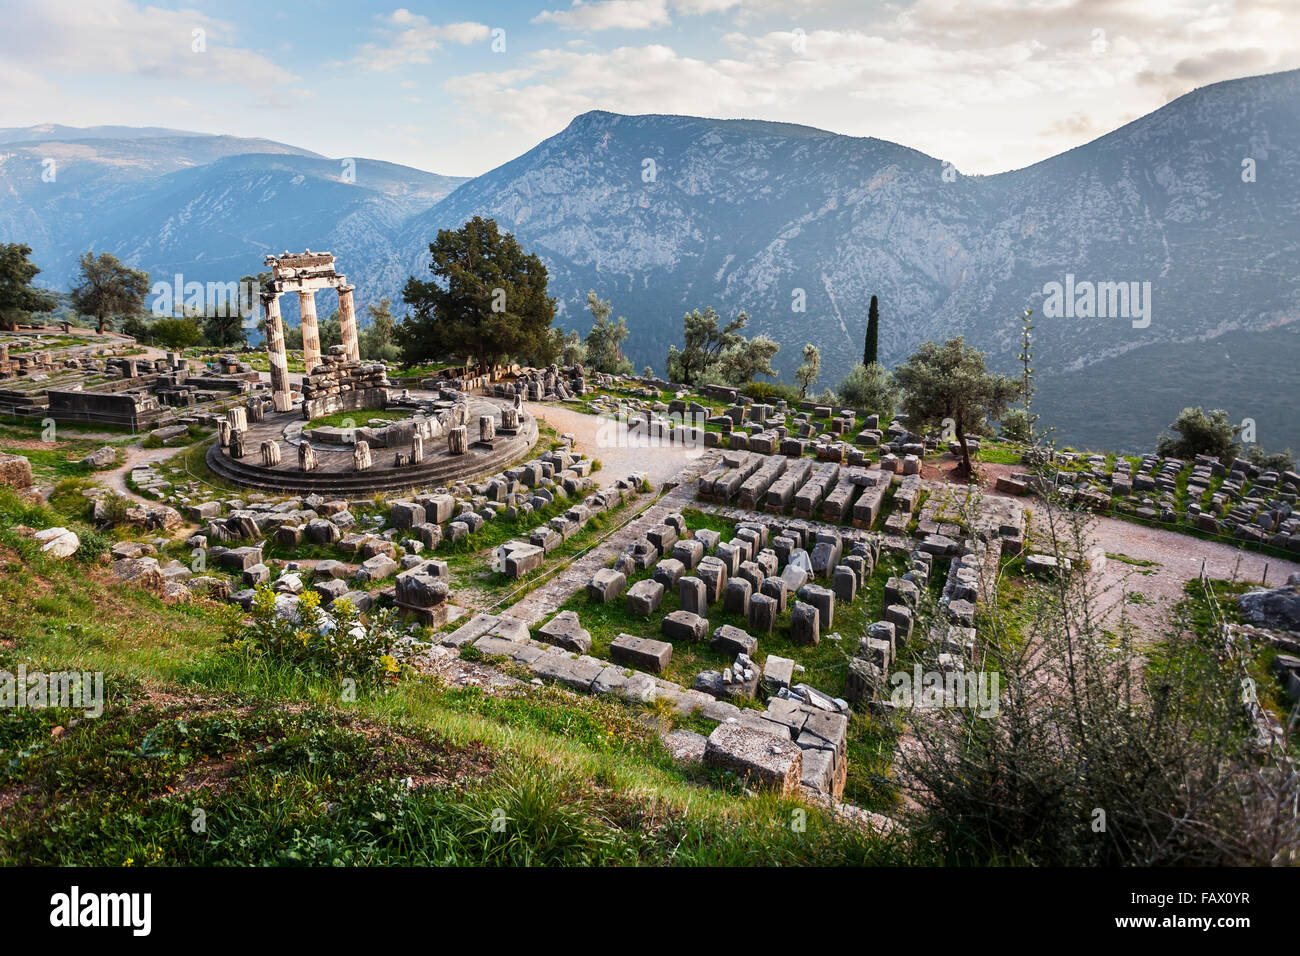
(614, 448)
(129, 458)
(1175, 559)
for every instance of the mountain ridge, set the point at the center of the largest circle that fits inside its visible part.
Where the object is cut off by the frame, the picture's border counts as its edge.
(663, 213)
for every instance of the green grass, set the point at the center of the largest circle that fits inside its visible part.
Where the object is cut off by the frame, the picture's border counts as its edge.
(284, 772)
(357, 419)
(825, 665)
(19, 345)
(61, 457)
(55, 463)
(1135, 562)
(998, 454)
(193, 463)
(1202, 613)
(192, 433)
(261, 362)
(261, 786)
(698, 520)
(469, 559)
(430, 370)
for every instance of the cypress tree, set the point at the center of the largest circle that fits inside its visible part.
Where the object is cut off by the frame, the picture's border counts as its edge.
(870, 351)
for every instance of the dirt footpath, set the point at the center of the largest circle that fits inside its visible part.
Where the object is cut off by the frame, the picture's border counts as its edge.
(129, 458)
(1160, 562)
(619, 454)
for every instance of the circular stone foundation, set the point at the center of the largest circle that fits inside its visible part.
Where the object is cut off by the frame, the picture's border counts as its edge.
(336, 474)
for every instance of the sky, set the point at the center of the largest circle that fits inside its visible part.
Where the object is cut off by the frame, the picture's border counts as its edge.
(460, 87)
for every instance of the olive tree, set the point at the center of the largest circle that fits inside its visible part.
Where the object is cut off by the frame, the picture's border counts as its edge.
(949, 386)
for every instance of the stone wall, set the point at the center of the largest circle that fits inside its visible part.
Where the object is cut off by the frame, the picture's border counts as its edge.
(339, 385)
(135, 410)
(350, 401)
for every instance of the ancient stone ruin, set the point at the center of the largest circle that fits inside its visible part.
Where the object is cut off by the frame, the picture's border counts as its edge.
(305, 273)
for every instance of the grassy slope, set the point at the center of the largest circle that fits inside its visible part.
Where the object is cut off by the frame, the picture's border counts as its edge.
(284, 771)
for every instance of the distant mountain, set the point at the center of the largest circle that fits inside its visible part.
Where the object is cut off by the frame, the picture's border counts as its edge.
(663, 214)
(53, 131)
(209, 207)
(738, 214)
(743, 214)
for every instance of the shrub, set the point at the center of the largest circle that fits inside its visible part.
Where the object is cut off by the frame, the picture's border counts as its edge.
(334, 644)
(827, 396)
(870, 389)
(1018, 426)
(771, 392)
(93, 546)
(1109, 746)
(1200, 433)
(1271, 461)
(114, 508)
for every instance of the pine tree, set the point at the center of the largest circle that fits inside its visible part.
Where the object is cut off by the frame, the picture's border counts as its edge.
(1027, 356)
(871, 350)
(487, 301)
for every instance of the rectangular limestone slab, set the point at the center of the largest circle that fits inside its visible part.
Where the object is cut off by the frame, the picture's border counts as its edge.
(764, 759)
(642, 653)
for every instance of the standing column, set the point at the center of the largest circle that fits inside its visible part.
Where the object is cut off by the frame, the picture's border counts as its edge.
(310, 330)
(275, 351)
(348, 321)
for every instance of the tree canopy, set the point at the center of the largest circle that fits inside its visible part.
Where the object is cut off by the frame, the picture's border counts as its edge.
(1271, 461)
(19, 299)
(376, 341)
(871, 389)
(568, 347)
(107, 289)
(871, 346)
(604, 343)
(226, 323)
(1201, 433)
(950, 386)
(175, 332)
(716, 353)
(486, 303)
(808, 369)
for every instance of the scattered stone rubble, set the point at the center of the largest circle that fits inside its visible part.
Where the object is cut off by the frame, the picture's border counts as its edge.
(88, 385)
(551, 384)
(1238, 500)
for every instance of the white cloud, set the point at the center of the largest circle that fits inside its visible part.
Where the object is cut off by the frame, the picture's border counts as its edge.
(698, 7)
(411, 38)
(646, 79)
(640, 14)
(989, 85)
(119, 37)
(609, 15)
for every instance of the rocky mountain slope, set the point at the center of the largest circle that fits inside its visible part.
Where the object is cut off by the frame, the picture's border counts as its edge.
(662, 214)
(207, 206)
(748, 215)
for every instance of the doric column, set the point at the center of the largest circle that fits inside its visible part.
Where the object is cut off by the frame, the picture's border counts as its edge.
(275, 352)
(310, 330)
(348, 320)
